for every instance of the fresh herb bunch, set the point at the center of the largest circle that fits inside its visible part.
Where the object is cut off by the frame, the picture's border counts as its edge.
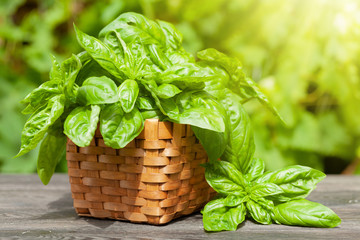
(138, 69)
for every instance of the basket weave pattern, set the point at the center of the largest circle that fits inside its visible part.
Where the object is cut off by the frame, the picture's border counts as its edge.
(154, 179)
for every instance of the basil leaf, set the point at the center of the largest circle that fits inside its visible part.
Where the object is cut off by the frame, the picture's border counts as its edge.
(29, 109)
(240, 147)
(218, 217)
(179, 57)
(91, 69)
(120, 48)
(158, 57)
(81, 123)
(243, 86)
(153, 114)
(39, 122)
(101, 53)
(134, 26)
(249, 89)
(296, 181)
(119, 128)
(305, 213)
(97, 90)
(145, 103)
(84, 57)
(266, 204)
(128, 93)
(199, 109)
(235, 200)
(216, 81)
(163, 91)
(213, 142)
(186, 75)
(231, 65)
(167, 90)
(264, 189)
(41, 95)
(173, 36)
(256, 169)
(71, 67)
(50, 155)
(56, 75)
(258, 213)
(224, 178)
(226, 71)
(167, 106)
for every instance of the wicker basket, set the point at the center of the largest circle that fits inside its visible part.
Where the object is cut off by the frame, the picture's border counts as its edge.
(154, 179)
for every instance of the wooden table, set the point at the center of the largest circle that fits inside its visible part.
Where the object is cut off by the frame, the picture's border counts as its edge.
(29, 210)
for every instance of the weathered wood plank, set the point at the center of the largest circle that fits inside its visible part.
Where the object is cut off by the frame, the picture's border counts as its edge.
(30, 210)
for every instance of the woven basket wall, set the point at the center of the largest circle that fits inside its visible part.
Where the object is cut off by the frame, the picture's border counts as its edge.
(154, 179)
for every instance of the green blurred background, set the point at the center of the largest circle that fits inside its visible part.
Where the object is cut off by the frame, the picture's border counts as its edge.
(305, 55)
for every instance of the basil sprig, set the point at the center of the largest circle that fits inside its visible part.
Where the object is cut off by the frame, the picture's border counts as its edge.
(137, 69)
(276, 196)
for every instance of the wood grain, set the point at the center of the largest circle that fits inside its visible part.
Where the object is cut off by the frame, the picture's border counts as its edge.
(29, 210)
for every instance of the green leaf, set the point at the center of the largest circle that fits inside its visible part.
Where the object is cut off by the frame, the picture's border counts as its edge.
(264, 189)
(179, 57)
(101, 53)
(224, 178)
(305, 213)
(119, 128)
(145, 103)
(196, 108)
(91, 69)
(158, 57)
(166, 106)
(132, 26)
(81, 123)
(29, 109)
(243, 86)
(256, 169)
(220, 63)
(185, 75)
(216, 79)
(50, 154)
(296, 181)
(41, 95)
(213, 142)
(56, 75)
(70, 68)
(148, 114)
(235, 200)
(258, 213)
(218, 217)
(240, 147)
(249, 89)
(266, 204)
(173, 36)
(133, 58)
(199, 109)
(163, 91)
(231, 65)
(128, 93)
(97, 90)
(39, 122)
(167, 90)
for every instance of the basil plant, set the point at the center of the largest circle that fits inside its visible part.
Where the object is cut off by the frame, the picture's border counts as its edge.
(137, 69)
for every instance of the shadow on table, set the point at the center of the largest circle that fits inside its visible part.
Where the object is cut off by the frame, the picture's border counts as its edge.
(64, 210)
